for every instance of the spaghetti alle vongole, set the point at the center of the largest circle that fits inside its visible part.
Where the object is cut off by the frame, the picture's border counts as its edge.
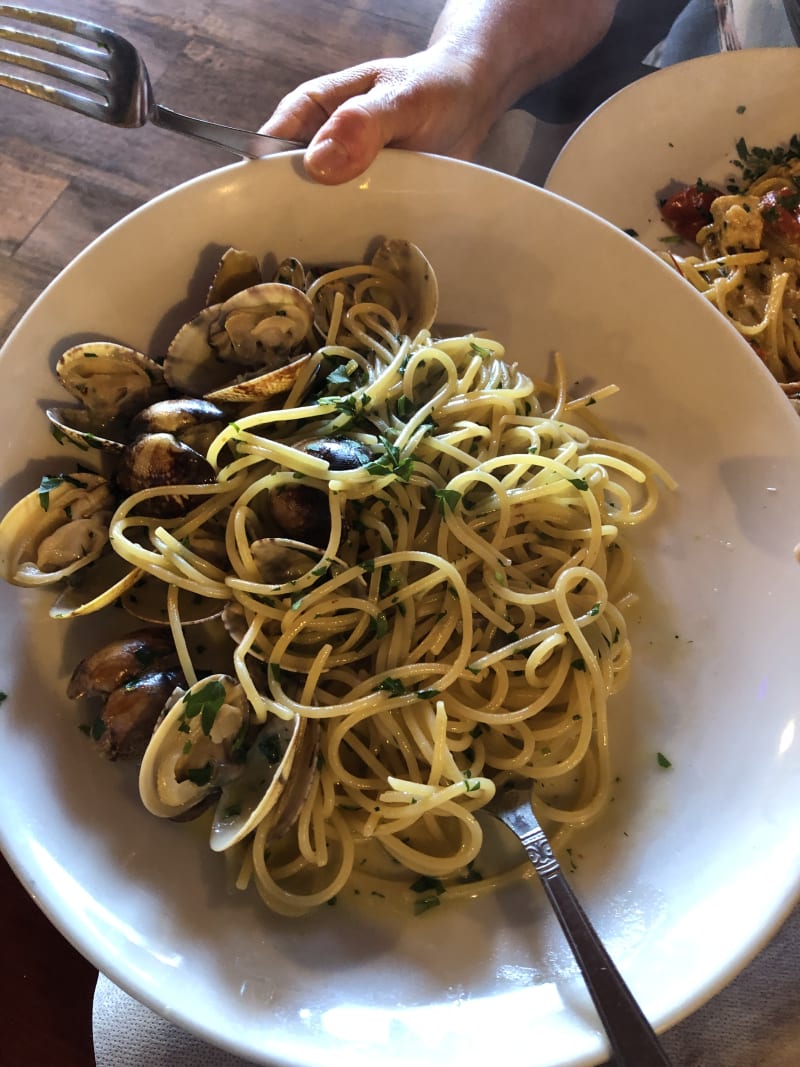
(446, 613)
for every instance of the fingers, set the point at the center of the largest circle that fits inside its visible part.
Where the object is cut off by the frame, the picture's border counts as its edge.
(346, 118)
(425, 102)
(302, 112)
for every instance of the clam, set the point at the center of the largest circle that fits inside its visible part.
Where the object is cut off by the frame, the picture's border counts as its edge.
(57, 529)
(292, 272)
(116, 663)
(109, 379)
(340, 453)
(202, 749)
(196, 748)
(237, 270)
(191, 420)
(407, 262)
(278, 773)
(112, 382)
(302, 512)
(134, 676)
(159, 459)
(146, 599)
(125, 725)
(281, 559)
(105, 582)
(254, 331)
(262, 386)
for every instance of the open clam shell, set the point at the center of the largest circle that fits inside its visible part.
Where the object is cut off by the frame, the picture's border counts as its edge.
(194, 749)
(407, 262)
(111, 381)
(262, 386)
(237, 270)
(56, 530)
(277, 777)
(256, 330)
(146, 599)
(105, 582)
(76, 426)
(199, 750)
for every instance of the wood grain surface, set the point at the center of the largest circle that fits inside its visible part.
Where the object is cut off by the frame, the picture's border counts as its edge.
(64, 179)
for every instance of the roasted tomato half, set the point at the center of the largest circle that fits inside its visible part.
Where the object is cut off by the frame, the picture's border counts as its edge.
(689, 210)
(780, 210)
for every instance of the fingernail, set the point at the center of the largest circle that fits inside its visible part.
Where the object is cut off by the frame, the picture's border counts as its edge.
(327, 158)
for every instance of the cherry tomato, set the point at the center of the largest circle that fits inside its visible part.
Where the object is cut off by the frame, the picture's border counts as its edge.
(780, 209)
(689, 210)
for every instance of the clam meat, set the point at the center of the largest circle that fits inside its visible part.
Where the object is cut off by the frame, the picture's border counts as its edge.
(112, 383)
(197, 748)
(254, 331)
(55, 530)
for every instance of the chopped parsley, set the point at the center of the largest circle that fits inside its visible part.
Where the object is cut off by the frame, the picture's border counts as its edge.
(200, 775)
(49, 483)
(753, 160)
(479, 350)
(205, 702)
(448, 498)
(392, 686)
(425, 904)
(391, 463)
(425, 883)
(271, 748)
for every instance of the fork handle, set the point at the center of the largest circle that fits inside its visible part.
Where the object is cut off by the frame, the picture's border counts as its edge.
(633, 1041)
(241, 142)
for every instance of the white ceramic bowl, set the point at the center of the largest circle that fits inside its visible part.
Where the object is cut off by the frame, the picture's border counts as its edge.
(692, 867)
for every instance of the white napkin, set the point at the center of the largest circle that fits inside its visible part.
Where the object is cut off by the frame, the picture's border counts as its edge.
(754, 1021)
(757, 24)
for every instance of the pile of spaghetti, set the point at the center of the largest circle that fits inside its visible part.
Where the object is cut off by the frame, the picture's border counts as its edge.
(441, 612)
(462, 623)
(749, 265)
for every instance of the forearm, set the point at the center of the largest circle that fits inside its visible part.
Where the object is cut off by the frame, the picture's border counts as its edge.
(519, 44)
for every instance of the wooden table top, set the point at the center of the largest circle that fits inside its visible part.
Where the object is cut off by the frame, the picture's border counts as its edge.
(64, 179)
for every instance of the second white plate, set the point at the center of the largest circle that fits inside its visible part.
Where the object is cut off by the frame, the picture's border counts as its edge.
(675, 126)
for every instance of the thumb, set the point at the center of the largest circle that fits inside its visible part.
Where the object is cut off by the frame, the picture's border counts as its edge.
(349, 141)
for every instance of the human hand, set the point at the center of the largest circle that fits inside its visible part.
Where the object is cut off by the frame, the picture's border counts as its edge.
(432, 101)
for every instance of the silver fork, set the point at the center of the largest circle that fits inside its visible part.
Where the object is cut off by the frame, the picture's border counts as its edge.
(633, 1041)
(117, 88)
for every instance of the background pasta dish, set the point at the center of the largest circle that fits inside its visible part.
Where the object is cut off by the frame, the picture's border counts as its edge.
(749, 237)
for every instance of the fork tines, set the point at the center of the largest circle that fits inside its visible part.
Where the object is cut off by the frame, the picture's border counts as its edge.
(99, 79)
